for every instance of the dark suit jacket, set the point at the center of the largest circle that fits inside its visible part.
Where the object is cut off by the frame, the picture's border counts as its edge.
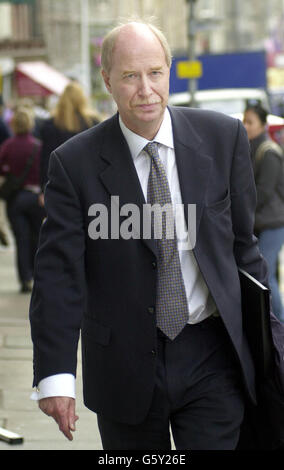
(107, 286)
(4, 131)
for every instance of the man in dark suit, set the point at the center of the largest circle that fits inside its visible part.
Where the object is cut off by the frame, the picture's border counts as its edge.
(161, 323)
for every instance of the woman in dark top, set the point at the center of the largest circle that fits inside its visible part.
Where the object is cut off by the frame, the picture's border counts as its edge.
(71, 116)
(267, 160)
(24, 212)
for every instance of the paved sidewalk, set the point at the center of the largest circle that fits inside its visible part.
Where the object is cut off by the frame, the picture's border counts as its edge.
(17, 412)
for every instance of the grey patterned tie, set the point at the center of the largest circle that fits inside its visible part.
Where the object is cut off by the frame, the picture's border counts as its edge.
(171, 303)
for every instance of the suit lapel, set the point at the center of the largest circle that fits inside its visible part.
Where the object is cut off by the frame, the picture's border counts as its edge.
(193, 165)
(120, 177)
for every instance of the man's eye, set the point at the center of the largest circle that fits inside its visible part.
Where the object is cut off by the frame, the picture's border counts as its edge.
(155, 74)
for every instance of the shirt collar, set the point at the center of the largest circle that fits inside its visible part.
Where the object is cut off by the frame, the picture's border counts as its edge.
(136, 143)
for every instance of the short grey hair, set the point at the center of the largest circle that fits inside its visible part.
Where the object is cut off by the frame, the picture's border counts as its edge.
(110, 39)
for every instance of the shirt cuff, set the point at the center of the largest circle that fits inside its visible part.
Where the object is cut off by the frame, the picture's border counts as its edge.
(59, 385)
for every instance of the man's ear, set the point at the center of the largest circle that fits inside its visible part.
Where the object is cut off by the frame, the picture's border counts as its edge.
(106, 80)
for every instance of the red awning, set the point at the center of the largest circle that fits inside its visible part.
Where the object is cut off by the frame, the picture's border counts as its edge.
(39, 79)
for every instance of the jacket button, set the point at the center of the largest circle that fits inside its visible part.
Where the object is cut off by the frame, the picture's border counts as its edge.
(151, 310)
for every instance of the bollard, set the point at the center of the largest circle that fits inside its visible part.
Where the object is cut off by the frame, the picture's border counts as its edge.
(10, 437)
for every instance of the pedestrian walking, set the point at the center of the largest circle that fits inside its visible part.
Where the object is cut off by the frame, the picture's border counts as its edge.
(161, 324)
(72, 115)
(268, 164)
(23, 210)
(5, 133)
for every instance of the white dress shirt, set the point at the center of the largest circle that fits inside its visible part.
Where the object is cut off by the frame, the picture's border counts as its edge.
(200, 302)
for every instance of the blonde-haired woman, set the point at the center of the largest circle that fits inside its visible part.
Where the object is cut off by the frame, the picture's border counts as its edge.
(71, 116)
(23, 210)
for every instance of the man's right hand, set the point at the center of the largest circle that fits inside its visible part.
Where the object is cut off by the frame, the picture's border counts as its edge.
(62, 410)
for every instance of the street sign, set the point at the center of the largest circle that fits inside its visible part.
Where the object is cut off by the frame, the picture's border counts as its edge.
(231, 70)
(189, 69)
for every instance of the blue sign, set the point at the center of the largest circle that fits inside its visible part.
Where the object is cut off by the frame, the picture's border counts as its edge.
(234, 70)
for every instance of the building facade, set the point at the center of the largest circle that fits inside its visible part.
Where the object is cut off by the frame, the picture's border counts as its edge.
(68, 34)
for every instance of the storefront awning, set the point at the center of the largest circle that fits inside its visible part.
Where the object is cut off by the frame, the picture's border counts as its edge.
(39, 79)
(17, 2)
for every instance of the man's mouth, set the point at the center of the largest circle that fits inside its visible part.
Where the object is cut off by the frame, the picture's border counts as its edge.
(147, 105)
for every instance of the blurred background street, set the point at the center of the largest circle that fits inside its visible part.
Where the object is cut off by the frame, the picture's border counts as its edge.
(227, 55)
(233, 46)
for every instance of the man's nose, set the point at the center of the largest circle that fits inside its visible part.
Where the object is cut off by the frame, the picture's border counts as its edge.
(145, 88)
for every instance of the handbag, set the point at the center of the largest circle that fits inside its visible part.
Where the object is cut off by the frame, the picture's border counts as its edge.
(13, 184)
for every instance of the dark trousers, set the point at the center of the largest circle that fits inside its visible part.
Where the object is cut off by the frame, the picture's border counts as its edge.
(198, 393)
(25, 216)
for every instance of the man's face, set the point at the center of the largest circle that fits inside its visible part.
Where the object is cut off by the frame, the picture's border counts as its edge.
(139, 80)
